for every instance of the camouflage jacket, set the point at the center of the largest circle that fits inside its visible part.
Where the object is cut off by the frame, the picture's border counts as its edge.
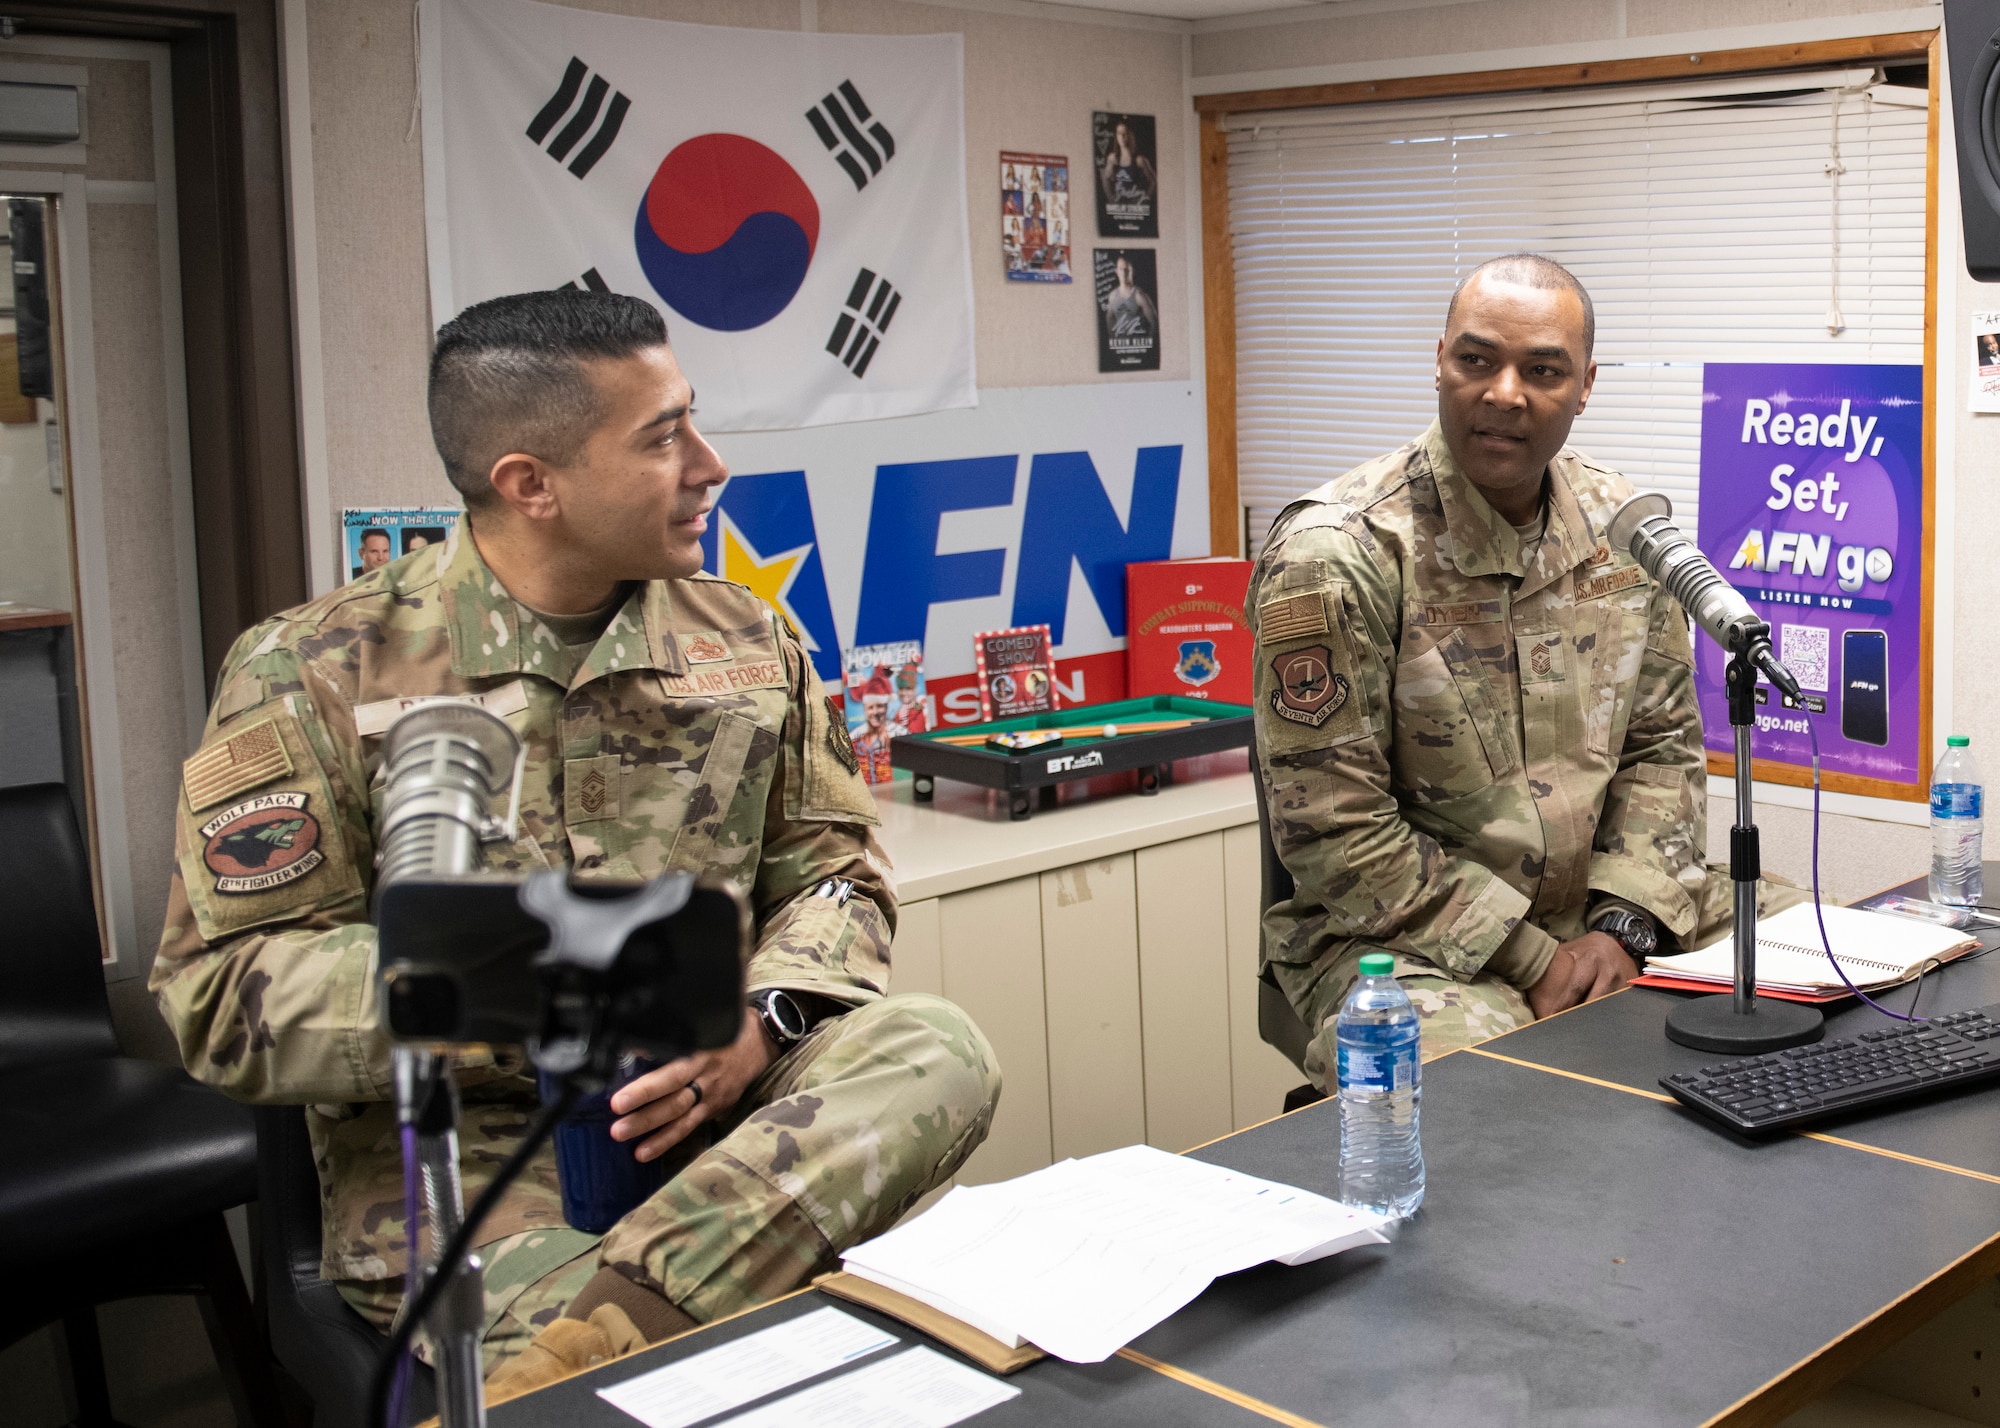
(1464, 752)
(693, 735)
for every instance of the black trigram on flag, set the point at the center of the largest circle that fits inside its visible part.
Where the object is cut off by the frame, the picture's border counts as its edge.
(858, 331)
(579, 123)
(838, 125)
(592, 280)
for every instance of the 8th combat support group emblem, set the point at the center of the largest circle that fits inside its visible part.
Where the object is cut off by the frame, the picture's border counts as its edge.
(1309, 690)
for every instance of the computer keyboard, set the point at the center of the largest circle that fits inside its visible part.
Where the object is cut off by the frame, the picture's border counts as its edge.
(1805, 1083)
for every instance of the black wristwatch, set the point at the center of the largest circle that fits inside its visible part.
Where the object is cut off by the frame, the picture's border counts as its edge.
(1631, 930)
(785, 1021)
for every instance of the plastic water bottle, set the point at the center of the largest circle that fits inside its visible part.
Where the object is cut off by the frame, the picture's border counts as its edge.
(1376, 1034)
(1957, 805)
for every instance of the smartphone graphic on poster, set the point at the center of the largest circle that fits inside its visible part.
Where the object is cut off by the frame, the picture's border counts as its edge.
(1864, 686)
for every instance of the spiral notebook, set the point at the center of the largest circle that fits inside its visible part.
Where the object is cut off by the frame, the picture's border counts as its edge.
(1875, 949)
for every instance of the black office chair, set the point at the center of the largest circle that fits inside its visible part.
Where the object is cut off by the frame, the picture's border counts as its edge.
(115, 1172)
(322, 1343)
(1277, 1023)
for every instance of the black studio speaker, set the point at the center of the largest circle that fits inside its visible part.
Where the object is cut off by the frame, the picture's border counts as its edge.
(1972, 40)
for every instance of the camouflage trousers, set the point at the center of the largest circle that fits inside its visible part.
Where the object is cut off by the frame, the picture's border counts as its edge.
(1455, 1015)
(831, 1146)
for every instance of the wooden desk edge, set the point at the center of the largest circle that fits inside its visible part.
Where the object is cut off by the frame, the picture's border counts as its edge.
(1819, 1371)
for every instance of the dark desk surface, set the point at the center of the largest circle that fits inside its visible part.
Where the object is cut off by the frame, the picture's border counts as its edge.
(1620, 1040)
(1588, 1253)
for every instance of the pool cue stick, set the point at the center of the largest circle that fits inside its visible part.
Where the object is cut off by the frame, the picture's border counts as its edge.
(1081, 731)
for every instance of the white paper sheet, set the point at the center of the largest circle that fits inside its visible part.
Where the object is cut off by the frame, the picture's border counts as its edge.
(917, 1389)
(729, 1376)
(1083, 1257)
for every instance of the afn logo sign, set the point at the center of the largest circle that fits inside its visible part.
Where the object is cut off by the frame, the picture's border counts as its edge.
(858, 545)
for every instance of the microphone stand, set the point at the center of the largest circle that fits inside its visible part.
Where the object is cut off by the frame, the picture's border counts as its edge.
(1739, 1022)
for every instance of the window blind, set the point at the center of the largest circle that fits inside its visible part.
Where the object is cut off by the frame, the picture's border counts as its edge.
(1707, 227)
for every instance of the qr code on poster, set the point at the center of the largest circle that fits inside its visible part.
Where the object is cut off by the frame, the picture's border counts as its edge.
(1804, 649)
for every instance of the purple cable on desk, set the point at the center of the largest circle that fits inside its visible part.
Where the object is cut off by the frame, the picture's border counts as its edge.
(1819, 916)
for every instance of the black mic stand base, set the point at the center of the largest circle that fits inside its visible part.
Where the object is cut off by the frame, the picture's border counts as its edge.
(1714, 1024)
(1741, 1023)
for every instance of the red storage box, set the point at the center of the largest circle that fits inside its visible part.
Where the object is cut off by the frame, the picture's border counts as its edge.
(1185, 630)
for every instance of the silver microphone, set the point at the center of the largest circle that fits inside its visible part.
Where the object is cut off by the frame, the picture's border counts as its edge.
(444, 762)
(1644, 526)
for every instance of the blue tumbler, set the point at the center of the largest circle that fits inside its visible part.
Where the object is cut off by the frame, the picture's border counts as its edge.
(602, 1181)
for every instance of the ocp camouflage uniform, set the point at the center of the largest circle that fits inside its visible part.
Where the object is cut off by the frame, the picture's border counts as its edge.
(1467, 748)
(692, 735)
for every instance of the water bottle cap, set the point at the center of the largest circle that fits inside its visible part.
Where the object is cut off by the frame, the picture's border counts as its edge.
(1377, 964)
(1956, 741)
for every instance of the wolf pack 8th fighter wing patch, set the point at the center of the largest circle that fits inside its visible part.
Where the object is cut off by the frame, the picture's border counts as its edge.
(261, 843)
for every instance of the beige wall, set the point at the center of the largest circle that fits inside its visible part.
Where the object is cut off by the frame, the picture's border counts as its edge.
(1030, 84)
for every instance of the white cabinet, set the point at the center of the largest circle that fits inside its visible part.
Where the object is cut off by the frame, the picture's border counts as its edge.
(1118, 990)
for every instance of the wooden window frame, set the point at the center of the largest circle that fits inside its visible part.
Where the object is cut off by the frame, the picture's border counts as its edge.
(1218, 260)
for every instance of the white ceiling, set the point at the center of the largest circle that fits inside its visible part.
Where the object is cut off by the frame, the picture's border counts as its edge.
(1191, 9)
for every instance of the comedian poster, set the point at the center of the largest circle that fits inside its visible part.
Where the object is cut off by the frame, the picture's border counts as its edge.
(1812, 506)
(794, 204)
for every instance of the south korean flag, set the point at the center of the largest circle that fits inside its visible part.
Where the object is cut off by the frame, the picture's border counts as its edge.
(794, 204)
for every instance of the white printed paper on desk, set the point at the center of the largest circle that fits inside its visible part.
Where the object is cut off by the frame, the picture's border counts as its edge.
(920, 1388)
(1083, 1257)
(733, 1374)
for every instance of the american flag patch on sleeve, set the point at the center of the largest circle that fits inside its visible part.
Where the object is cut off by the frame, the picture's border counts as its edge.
(244, 760)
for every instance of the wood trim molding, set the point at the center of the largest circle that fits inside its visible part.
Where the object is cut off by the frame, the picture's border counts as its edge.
(1927, 636)
(1909, 45)
(1218, 306)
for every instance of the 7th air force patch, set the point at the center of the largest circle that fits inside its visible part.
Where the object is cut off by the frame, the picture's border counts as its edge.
(1309, 690)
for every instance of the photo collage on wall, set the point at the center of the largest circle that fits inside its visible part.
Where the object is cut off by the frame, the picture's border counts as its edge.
(1034, 217)
(1123, 175)
(1125, 180)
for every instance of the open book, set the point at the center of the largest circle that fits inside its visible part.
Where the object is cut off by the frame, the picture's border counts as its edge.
(1875, 949)
(1083, 1257)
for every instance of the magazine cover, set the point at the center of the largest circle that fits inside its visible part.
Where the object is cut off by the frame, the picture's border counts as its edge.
(1034, 217)
(1128, 175)
(372, 536)
(1016, 671)
(885, 697)
(1128, 313)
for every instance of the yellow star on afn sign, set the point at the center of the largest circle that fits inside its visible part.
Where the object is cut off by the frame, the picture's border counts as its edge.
(769, 579)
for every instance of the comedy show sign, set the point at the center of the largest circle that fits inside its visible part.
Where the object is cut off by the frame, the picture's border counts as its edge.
(794, 204)
(1023, 511)
(1812, 505)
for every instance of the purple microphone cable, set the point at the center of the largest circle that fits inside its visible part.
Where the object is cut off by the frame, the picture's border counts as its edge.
(1819, 915)
(412, 1282)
